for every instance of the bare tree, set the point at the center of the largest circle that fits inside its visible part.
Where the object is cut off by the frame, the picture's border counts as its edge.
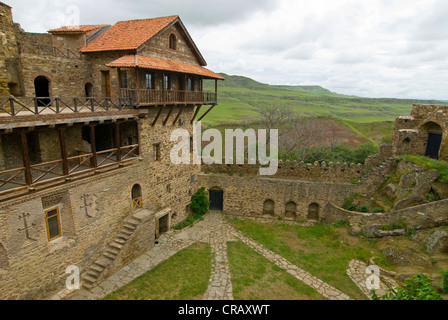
(273, 116)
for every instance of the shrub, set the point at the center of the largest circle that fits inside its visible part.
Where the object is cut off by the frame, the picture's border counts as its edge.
(352, 207)
(444, 282)
(418, 288)
(363, 209)
(200, 203)
(377, 210)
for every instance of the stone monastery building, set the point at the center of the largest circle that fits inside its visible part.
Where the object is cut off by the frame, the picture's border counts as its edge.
(86, 115)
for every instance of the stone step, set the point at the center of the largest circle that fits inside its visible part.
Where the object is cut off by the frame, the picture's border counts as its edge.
(133, 222)
(87, 286)
(110, 255)
(103, 262)
(116, 245)
(120, 240)
(97, 268)
(89, 279)
(127, 232)
(93, 273)
(124, 236)
(130, 226)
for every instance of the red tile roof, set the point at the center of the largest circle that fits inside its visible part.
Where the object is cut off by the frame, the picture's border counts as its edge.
(129, 35)
(78, 29)
(155, 63)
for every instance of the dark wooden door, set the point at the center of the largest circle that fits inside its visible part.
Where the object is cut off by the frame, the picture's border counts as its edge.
(216, 200)
(434, 143)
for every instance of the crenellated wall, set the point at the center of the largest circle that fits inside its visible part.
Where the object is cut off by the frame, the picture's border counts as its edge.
(319, 171)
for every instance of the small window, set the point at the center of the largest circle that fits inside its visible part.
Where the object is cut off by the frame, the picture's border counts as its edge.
(173, 42)
(157, 152)
(53, 223)
(124, 79)
(149, 81)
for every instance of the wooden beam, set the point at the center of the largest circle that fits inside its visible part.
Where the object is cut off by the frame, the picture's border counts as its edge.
(203, 116)
(137, 80)
(26, 158)
(179, 114)
(94, 160)
(158, 115)
(118, 141)
(168, 116)
(64, 153)
(196, 113)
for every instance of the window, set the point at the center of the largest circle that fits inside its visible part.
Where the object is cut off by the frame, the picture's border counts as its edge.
(53, 224)
(190, 84)
(173, 42)
(148, 80)
(124, 79)
(166, 82)
(157, 152)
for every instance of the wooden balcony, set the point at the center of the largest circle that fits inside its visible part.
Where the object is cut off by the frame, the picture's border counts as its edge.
(168, 97)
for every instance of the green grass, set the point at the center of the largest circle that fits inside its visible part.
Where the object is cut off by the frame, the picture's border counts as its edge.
(184, 276)
(321, 250)
(239, 95)
(256, 278)
(429, 164)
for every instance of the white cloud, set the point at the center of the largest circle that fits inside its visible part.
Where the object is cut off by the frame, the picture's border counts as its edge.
(375, 48)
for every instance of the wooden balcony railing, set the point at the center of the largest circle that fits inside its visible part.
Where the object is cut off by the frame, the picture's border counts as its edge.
(53, 171)
(44, 105)
(157, 97)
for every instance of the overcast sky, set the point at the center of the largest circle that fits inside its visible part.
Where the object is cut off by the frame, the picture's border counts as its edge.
(369, 48)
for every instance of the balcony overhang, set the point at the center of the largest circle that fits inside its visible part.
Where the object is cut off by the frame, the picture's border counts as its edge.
(155, 63)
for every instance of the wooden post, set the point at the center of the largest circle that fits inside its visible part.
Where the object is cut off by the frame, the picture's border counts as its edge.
(26, 158)
(118, 141)
(137, 85)
(94, 160)
(64, 153)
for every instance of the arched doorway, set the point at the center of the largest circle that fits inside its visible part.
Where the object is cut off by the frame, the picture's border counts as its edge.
(269, 208)
(216, 199)
(291, 210)
(313, 212)
(434, 139)
(89, 90)
(42, 90)
(137, 198)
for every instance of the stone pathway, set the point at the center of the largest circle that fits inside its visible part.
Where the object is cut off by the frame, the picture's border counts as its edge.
(357, 271)
(216, 231)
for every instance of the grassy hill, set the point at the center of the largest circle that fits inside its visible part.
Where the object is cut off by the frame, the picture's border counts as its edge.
(239, 95)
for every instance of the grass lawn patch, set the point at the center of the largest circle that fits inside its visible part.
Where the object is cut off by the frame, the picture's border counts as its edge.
(323, 250)
(184, 276)
(256, 278)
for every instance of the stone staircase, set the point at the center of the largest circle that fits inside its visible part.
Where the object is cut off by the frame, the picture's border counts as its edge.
(96, 270)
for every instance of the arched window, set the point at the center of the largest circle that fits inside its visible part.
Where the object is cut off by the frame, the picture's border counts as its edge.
(173, 42)
(137, 199)
(313, 212)
(291, 210)
(269, 208)
(42, 90)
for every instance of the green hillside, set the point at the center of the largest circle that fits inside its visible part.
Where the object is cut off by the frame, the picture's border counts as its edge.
(239, 95)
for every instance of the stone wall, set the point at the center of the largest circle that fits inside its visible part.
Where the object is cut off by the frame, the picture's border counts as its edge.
(247, 195)
(411, 132)
(308, 172)
(431, 215)
(92, 211)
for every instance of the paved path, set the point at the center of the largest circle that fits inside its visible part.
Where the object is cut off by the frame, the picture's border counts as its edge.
(215, 231)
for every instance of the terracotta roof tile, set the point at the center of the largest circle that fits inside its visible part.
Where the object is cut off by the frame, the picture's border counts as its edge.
(129, 35)
(78, 29)
(155, 63)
